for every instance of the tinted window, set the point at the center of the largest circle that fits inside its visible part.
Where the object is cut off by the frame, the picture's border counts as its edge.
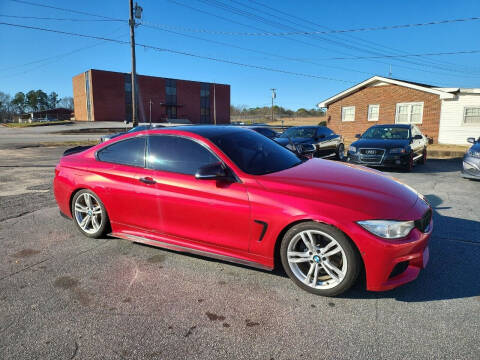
(387, 133)
(299, 132)
(126, 152)
(266, 132)
(254, 153)
(177, 154)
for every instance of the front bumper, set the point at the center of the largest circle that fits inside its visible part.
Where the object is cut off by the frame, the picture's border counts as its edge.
(391, 263)
(471, 167)
(387, 160)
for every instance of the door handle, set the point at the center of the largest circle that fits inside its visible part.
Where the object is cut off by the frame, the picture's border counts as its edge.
(147, 180)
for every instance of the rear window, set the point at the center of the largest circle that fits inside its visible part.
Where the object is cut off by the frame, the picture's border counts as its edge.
(125, 152)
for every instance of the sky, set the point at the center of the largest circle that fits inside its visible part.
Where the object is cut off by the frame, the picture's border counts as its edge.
(33, 59)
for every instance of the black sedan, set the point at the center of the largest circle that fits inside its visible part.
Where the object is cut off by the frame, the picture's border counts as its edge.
(324, 142)
(471, 160)
(394, 145)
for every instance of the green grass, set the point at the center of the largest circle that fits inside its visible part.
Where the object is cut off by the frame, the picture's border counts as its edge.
(34, 124)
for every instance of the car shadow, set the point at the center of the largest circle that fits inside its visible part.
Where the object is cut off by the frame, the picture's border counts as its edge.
(432, 166)
(453, 269)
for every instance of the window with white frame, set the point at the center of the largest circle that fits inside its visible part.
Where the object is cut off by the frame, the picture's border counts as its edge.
(373, 111)
(409, 113)
(348, 113)
(471, 115)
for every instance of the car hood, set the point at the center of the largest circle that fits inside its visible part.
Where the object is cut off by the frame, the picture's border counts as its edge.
(365, 191)
(381, 144)
(296, 140)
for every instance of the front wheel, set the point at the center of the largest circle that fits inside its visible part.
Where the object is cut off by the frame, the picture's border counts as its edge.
(423, 160)
(89, 214)
(319, 258)
(409, 165)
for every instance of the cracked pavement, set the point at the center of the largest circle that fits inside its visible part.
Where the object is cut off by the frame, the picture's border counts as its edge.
(66, 296)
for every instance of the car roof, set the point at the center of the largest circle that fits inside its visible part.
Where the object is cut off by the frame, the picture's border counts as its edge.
(209, 130)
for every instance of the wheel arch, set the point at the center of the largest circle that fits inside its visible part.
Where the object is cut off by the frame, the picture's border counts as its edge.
(277, 263)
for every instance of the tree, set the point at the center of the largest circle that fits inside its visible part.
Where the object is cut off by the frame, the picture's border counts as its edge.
(66, 102)
(18, 103)
(6, 110)
(53, 100)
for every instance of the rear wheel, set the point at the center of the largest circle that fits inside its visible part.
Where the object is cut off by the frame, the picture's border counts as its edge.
(341, 152)
(423, 160)
(89, 214)
(319, 258)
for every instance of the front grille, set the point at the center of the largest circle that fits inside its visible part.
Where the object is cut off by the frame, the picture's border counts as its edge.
(371, 156)
(423, 223)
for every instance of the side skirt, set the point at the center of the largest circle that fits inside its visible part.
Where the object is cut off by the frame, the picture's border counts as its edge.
(184, 249)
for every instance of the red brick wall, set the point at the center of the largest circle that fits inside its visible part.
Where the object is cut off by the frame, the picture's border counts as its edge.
(387, 96)
(79, 97)
(108, 94)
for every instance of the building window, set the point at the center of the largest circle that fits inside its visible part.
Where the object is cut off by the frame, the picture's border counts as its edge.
(409, 113)
(205, 104)
(373, 111)
(471, 115)
(171, 98)
(348, 113)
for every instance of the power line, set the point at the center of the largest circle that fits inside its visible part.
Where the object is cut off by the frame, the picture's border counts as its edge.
(340, 31)
(260, 67)
(405, 55)
(56, 19)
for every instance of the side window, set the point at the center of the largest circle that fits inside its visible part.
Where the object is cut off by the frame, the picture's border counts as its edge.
(324, 130)
(177, 154)
(125, 152)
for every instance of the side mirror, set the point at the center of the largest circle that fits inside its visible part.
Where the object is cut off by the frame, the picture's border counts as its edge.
(321, 136)
(471, 140)
(358, 136)
(215, 171)
(418, 137)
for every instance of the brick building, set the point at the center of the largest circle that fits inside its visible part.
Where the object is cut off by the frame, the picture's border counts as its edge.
(100, 95)
(448, 115)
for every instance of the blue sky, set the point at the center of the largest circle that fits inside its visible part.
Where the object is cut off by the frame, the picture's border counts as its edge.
(295, 53)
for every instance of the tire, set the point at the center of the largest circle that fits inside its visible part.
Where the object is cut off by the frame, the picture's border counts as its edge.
(423, 160)
(341, 152)
(312, 271)
(85, 204)
(409, 166)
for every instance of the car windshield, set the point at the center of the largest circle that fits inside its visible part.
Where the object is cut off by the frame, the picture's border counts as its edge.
(299, 132)
(255, 154)
(387, 133)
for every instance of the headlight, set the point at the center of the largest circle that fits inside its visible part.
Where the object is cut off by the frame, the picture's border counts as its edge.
(388, 229)
(397, 151)
(352, 149)
(475, 154)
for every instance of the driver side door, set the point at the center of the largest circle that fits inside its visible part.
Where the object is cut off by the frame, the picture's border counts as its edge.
(211, 212)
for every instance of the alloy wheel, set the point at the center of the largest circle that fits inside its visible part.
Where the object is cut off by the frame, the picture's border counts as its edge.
(317, 259)
(88, 213)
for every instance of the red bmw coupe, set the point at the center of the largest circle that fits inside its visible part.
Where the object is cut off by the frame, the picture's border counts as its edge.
(233, 194)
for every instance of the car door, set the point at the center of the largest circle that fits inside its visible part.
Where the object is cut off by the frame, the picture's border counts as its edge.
(202, 211)
(326, 141)
(128, 199)
(417, 144)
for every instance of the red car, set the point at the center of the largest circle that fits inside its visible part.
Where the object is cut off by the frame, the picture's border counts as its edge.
(233, 194)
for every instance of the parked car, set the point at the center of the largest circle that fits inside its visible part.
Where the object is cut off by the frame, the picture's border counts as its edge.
(231, 193)
(471, 160)
(325, 142)
(134, 129)
(392, 145)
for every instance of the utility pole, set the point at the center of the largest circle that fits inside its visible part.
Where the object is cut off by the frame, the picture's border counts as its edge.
(134, 13)
(274, 95)
(214, 106)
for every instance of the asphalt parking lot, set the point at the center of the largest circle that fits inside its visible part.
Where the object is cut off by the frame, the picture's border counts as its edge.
(65, 296)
